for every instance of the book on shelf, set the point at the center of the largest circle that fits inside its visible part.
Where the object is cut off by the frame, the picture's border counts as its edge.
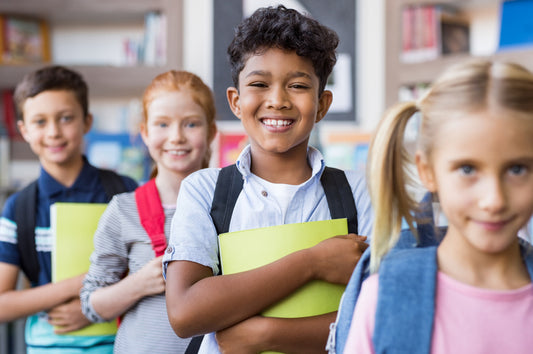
(73, 226)
(8, 121)
(429, 31)
(516, 24)
(23, 40)
(155, 39)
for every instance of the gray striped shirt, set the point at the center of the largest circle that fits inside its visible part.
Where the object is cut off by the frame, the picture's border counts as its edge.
(121, 244)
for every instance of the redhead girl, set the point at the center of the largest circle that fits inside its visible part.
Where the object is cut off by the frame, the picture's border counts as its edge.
(178, 127)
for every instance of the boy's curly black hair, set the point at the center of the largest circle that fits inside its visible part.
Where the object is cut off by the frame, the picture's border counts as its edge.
(286, 29)
(51, 78)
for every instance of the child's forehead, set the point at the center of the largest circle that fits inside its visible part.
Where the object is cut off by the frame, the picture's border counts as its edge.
(48, 99)
(275, 59)
(484, 132)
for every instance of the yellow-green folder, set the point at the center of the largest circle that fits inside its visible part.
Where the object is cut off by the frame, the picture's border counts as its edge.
(249, 249)
(73, 226)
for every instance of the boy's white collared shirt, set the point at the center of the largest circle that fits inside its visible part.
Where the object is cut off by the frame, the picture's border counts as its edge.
(193, 236)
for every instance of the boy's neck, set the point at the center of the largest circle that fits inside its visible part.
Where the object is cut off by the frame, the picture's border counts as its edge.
(290, 167)
(66, 173)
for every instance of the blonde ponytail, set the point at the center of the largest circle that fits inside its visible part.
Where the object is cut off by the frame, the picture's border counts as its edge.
(388, 179)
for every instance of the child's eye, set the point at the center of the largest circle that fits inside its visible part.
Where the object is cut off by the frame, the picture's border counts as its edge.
(257, 84)
(162, 124)
(191, 125)
(517, 170)
(66, 118)
(300, 86)
(467, 170)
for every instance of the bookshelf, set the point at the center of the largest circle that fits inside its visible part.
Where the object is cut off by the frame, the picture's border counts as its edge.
(103, 80)
(80, 31)
(483, 16)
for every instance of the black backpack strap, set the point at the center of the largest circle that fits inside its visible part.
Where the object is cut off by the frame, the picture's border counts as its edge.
(25, 206)
(112, 182)
(227, 190)
(339, 196)
(194, 345)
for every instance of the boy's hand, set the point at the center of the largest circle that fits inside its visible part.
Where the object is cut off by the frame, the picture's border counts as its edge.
(334, 259)
(68, 317)
(150, 277)
(242, 338)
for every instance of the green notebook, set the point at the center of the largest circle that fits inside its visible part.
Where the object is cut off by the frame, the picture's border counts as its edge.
(73, 226)
(249, 249)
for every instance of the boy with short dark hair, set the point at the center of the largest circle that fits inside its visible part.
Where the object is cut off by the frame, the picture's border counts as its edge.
(280, 62)
(53, 113)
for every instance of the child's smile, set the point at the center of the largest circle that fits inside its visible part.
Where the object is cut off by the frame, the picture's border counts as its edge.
(485, 184)
(278, 101)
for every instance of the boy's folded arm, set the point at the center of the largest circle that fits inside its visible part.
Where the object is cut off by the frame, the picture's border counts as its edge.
(21, 303)
(287, 335)
(199, 303)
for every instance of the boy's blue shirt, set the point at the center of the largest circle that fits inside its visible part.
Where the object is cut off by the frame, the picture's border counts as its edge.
(86, 189)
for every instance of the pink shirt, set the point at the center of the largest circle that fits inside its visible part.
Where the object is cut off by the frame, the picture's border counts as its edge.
(467, 319)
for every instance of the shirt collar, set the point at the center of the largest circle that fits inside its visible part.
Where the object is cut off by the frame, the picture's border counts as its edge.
(314, 157)
(86, 181)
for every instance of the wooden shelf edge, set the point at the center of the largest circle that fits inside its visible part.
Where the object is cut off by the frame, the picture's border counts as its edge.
(102, 80)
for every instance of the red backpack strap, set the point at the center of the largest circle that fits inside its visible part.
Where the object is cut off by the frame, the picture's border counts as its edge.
(152, 215)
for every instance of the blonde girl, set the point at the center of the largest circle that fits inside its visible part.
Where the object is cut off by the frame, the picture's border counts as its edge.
(178, 127)
(473, 292)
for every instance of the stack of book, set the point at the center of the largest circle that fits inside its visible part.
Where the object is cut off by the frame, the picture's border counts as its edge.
(429, 31)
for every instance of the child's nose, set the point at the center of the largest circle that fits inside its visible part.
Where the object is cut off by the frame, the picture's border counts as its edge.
(53, 129)
(178, 135)
(278, 98)
(493, 196)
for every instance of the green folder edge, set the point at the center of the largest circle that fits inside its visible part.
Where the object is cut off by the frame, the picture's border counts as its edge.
(76, 217)
(249, 249)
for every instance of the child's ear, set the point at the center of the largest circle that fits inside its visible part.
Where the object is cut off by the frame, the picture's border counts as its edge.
(233, 99)
(324, 102)
(88, 123)
(22, 129)
(144, 132)
(425, 172)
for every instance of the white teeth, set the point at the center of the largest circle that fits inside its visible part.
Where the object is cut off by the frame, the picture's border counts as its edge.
(177, 152)
(277, 122)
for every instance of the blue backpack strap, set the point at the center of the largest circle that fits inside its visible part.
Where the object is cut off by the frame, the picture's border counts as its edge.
(406, 301)
(339, 196)
(25, 210)
(427, 237)
(527, 254)
(341, 327)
